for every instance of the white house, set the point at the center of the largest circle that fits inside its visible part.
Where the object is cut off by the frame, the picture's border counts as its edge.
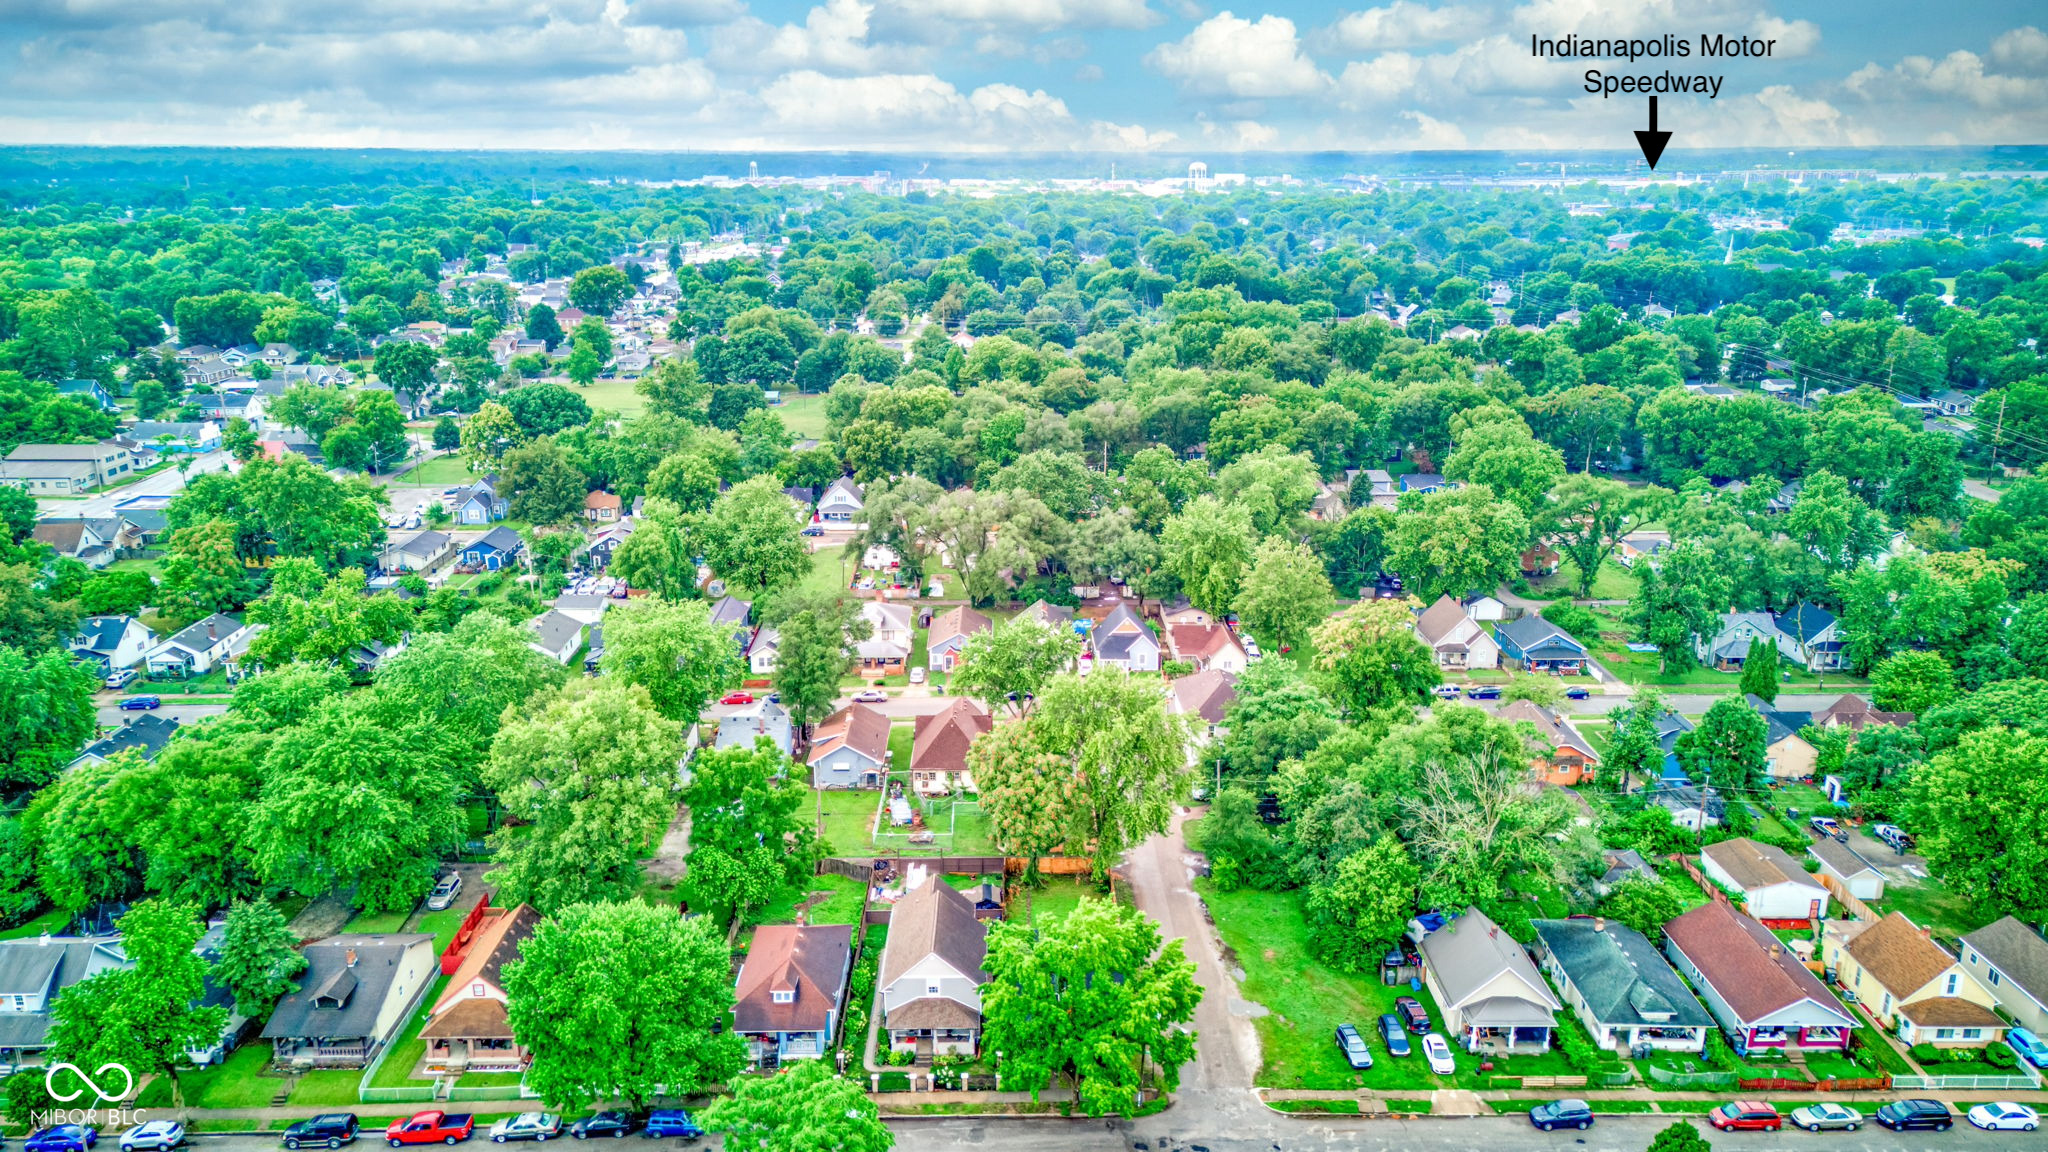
(196, 650)
(1456, 639)
(1773, 885)
(556, 636)
(761, 653)
(1859, 877)
(2011, 959)
(889, 623)
(1122, 640)
(416, 553)
(1492, 997)
(841, 503)
(588, 607)
(931, 973)
(750, 722)
(112, 642)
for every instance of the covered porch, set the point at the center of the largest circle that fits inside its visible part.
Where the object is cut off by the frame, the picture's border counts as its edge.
(770, 1049)
(1772, 1036)
(1665, 1038)
(324, 1052)
(474, 1054)
(1506, 1026)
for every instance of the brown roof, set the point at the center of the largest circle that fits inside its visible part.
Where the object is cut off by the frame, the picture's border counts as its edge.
(1206, 694)
(476, 1018)
(933, 1012)
(855, 726)
(1950, 1012)
(810, 959)
(936, 918)
(943, 738)
(1755, 865)
(495, 944)
(1554, 729)
(957, 621)
(1734, 954)
(1898, 956)
(65, 536)
(600, 499)
(1438, 619)
(1199, 641)
(1855, 713)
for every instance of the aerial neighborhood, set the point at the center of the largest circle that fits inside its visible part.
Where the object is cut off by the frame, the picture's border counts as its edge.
(1555, 650)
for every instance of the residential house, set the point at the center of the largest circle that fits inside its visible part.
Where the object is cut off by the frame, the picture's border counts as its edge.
(938, 750)
(589, 607)
(1328, 505)
(1692, 807)
(1571, 759)
(1729, 646)
(1123, 640)
(192, 437)
(112, 642)
(557, 636)
(841, 502)
(1180, 611)
(1424, 482)
(601, 507)
(211, 370)
(1670, 726)
(34, 973)
(62, 469)
(416, 552)
(1207, 647)
(1762, 995)
(1382, 490)
(1049, 616)
(1485, 609)
(1203, 698)
(1623, 864)
(501, 547)
(791, 991)
(1950, 402)
(1856, 714)
(355, 993)
(761, 651)
(888, 622)
(1814, 635)
(1641, 547)
(597, 554)
(1457, 640)
(1909, 984)
(751, 722)
(221, 407)
(479, 503)
(805, 500)
(196, 650)
(931, 974)
(949, 633)
(193, 353)
(94, 541)
(1787, 755)
(875, 659)
(1492, 997)
(1620, 988)
(735, 614)
(1534, 644)
(1857, 876)
(1774, 886)
(593, 653)
(468, 1028)
(1540, 560)
(2011, 959)
(90, 391)
(850, 749)
(144, 735)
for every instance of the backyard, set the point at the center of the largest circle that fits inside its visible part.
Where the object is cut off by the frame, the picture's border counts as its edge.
(847, 823)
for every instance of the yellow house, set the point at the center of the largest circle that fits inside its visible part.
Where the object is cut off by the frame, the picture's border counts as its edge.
(1910, 984)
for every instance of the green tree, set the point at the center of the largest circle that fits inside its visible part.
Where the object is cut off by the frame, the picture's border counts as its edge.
(1363, 908)
(310, 408)
(1209, 547)
(589, 772)
(1912, 682)
(599, 290)
(1024, 793)
(1680, 1137)
(1643, 904)
(1372, 658)
(754, 538)
(46, 715)
(546, 409)
(258, 957)
(1834, 522)
(814, 650)
(1760, 670)
(1587, 517)
(674, 387)
(1047, 1008)
(84, 852)
(1458, 543)
(1506, 459)
(672, 650)
(1286, 594)
(1635, 748)
(464, 679)
(660, 555)
(408, 366)
(1881, 757)
(621, 1001)
(145, 1017)
(1126, 757)
(801, 1110)
(488, 433)
(542, 325)
(1727, 749)
(1013, 661)
(545, 484)
(1276, 716)
(686, 479)
(1354, 548)
(316, 618)
(447, 434)
(749, 839)
(1678, 600)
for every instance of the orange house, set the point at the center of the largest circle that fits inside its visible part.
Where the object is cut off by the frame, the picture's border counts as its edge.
(1571, 759)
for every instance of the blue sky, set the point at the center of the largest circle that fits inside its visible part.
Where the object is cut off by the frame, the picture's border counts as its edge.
(995, 75)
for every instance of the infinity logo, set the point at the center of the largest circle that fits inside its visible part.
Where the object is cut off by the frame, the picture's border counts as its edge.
(50, 1082)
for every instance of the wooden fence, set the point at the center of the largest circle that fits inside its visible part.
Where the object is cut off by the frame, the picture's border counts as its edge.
(1878, 1083)
(862, 868)
(1840, 891)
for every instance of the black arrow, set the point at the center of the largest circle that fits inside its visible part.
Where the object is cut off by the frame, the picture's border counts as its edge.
(1653, 141)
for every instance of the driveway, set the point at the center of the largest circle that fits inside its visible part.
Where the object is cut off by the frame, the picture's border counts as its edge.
(165, 483)
(1980, 490)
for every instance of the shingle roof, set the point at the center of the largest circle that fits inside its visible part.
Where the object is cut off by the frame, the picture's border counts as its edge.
(1950, 1012)
(337, 999)
(935, 919)
(1619, 974)
(1471, 951)
(1778, 725)
(1734, 954)
(960, 621)
(855, 726)
(501, 538)
(1551, 726)
(553, 629)
(1756, 865)
(1533, 632)
(809, 959)
(1898, 956)
(731, 610)
(2017, 951)
(1439, 619)
(423, 544)
(145, 734)
(101, 634)
(460, 1012)
(1804, 621)
(1206, 694)
(204, 634)
(30, 966)
(1844, 860)
(943, 738)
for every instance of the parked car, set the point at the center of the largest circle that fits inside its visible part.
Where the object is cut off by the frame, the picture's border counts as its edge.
(1827, 826)
(917, 675)
(1562, 1114)
(1578, 694)
(444, 893)
(668, 1122)
(120, 679)
(1746, 1115)
(154, 1136)
(1445, 691)
(1251, 646)
(140, 703)
(63, 1138)
(1412, 1013)
(1352, 1045)
(534, 1126)
(2029, 1046)
(1395, 1035)
(870, 696)
(1483, 692)
(435, 1127)
(1825, 1115)
(1900, 1115)
(613, 1124)
(737, 698)
(2004, 1115)
(814, 530)
(1894, 836)
(1438, 1053)
(331, 1129)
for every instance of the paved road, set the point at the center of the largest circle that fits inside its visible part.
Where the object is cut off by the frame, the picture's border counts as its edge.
(1980, 490)
(1694, 703)
(164, 483)
(112, 717)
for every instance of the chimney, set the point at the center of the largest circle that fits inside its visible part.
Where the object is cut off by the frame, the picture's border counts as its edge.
(351, 958)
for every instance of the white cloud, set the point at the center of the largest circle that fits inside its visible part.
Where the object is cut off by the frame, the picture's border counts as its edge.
(1794, 38)
(833, 38)
(684, 13)
(1959, 74)
(1035, 14)
(2025, 49)
(1403, 24)
(1252, 60)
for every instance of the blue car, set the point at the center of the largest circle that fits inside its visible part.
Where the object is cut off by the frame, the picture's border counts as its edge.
(140, 703)
(1489, 692)
(666, 1122)
(2028, 1045)
(63, 1138)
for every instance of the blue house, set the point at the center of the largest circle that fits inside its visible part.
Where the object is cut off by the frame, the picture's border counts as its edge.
(1536, 645)
(498, 548)
(89, 391)
(1421, 482)
(479, 503)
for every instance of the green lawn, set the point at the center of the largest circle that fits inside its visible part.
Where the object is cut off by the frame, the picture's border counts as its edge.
(826, 574)
(834, 900)
(236, 1082)
(1306, 1000)
(408, 1049)
(327, 1087)
(1929, 905)
(373, 922)
(1614, 583)
(53, 922)
(1054, 898)
(849, 816)
(440, 472)
(442, 925)
(612, 396)
(803, 413)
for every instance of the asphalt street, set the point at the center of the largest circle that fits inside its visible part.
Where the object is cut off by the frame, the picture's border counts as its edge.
(164, 483)
(112, 717)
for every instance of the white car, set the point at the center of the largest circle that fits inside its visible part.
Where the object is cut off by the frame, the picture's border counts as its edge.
(917, 675)
(2001, 1115)
(535, 1126)
(155, 1136)
(870, 696)
(1438, 1053)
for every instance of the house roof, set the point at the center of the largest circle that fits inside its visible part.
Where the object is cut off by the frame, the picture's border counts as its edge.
(32, 965)
(882, 614)
(1206, 694)
(1052, 615)
(1469, 952)
(808, 959)
(2017, 951)
(942, 1012)
(146, 734)
(1553, 727)
(1804, 621)
(1754, 865)
(1679, 797)
(1778, 725)
(203, 634)
(959, 621)
(423, 544)
(501, 538)
(943, 738)
(1746, 965)
(935, 919)
(1440, 619)
(599, 500)
(1619, 974)
(552, 630)
(1532, 632)
(1950, 1012)
(39, 452)
(1856, 713)
(855, 726)
(841, 490)
(1843, 860)
(731, 610)
(461, 1013)
(103, 634)
(1120, 632)
(1200, 641)
(342, 991)
(1898, 955)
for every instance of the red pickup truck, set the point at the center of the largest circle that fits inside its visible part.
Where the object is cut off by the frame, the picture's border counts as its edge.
(430, 1128)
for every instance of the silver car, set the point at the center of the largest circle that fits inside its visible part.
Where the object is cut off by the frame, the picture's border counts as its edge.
(535, 1126)
(155, 1136)
(444, 893)
(1827, 1115)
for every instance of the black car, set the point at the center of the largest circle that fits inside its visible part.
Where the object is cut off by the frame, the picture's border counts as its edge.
(1412, 1013)
(1488, 692)
(1562, 1114)
(1353, 1046)
(614, 1124)
(331, 1130)
(1900, 1115)
(1394, 1034)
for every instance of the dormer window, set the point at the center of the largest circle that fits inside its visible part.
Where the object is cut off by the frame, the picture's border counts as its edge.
(477, 989)
(783, 997)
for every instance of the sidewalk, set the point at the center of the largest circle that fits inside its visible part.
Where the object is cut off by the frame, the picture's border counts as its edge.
(1595, 1095)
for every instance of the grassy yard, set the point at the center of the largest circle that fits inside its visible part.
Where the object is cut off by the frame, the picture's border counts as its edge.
(1054, 898)
(440, 472)
(612, 396)
(327, 1088)
(1306, 1000)
(408, 1049)
(53, 922)
(827, 575)
(803, 413)
(1614, 583)
(372, 922)
(236, 1082)
(442, 925)
(1929, 905)
(848, 820)
(833, 900)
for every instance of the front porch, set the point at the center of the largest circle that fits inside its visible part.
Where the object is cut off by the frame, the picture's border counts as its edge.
(1627, 1040)
(770, 1049)
(925, 1043)
(1821, 1038)
(352, 1052)
(474, 1054)
(1520, 1041)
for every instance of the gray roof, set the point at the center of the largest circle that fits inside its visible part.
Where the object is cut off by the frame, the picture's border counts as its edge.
(730, 610)
(1533, 633)
(501, 538)
(424, 544)
(35, 966)
(1620, 975)
(339, 1000)
(145, 734)
(2018, 952)
(206, 633)
(1778, 724)
(148, 430)
(936, 919)
(1471, 951)
(1842, 859)
(101, 634)
(553, 629)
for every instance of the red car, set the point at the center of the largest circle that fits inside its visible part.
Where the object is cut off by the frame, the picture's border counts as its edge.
(1746, 1114)
(431, 1128)
(737, 698)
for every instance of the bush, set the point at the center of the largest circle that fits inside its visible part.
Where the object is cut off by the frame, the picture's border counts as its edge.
(1578, 621)
(1578, 1049)
(2000, 1056)
(1176, 668)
